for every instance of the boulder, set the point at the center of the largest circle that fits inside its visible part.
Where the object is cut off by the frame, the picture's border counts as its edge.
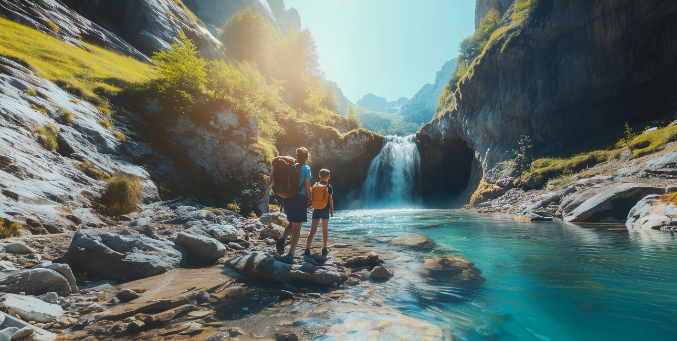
(372, 258)
(260, 265)
(34, 282)
(225, 233)
(380, 272)
(200, 248)
(31, 308)
(52, 228)
(610, 203)
(127, 295)
(273, 231)
(39, 334)
(104, 255)
(454, 269)
(141, 222)
(278, 218)
(665, 165)
(64, 270)
(192, 216)
(17, 248)
(652, 213)
(413, 240)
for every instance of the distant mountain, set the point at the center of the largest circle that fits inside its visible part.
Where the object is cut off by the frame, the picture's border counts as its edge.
(380, 104)
(423, 104)
(343, 102)
(215, 13)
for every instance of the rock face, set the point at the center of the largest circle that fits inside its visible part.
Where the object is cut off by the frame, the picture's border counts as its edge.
(614, 202)
(72, 27)
(653, 213)
(482, 7)
(31, 308)
(665, 166)
(32, 172)
(149, 26)
(573, 70)
(424, 102)
(348, 155)
(262, 266)
(201, 248)
(112, 256)
(215, 13)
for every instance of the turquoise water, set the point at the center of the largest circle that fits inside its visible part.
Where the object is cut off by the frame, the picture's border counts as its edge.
(544, 281)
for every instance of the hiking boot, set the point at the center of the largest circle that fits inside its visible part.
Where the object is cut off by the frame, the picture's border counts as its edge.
(307, 252)
(325, 251)
(280, 246)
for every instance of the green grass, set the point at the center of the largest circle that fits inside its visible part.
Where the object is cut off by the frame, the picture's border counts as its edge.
(670, 198)
(547, 168)
(588, 174)
(92, 170)
(214, 210)
(120, 136)
(105, 123)
(31, 92)
(56, 60)
(8, 229)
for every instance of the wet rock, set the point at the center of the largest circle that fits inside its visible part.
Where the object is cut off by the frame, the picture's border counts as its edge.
(352, 281)
(202, 297)
(111, 256)
(380, 272)
(263, 266)
(127, 295)
(277, 218)
(31, 308)
(383, 324)
(50, 297)
(457, 269)
(34, 282)
(286, 337)
(53, 228)
(665, 165)
(193, 329)
(413, 240)
(17, 248)
(64, 270)
(225, 233)
(273, 231)
(166, 315)
(201, 248)
(22, 333)
(7, 333)
(652, 213)
(236, 246)
(604, 202)
(192, 216)
(534, 216)
(372, 258)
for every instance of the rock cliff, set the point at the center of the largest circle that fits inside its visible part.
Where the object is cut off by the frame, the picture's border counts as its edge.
(572, 71)
(427, 98)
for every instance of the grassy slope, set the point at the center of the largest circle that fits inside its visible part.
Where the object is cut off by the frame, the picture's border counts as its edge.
(56, 60)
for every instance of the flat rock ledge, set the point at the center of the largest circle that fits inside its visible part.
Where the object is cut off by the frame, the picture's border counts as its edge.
(414, 240)
(262, 266)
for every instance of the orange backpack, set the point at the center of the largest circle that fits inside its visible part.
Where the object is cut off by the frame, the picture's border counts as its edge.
(320, 195)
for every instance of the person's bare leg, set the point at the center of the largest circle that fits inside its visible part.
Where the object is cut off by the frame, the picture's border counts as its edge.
(325, 232)
(287, 231)
(311, 235)
(295, 234)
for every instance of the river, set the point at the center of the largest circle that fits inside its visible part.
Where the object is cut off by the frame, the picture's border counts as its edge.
(544, 281)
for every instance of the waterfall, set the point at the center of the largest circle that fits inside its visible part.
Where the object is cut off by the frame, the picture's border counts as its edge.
(394, 175)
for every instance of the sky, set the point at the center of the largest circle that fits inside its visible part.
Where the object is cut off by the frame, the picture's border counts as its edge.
(390, 48)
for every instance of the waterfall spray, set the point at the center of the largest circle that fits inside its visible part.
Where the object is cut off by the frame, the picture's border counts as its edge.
(393, 179)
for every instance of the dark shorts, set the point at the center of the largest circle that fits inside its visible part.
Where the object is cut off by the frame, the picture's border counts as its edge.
(296, 209)
(321, 214)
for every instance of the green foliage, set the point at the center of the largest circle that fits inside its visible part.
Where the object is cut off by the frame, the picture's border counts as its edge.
(273, 208)
(543, 169)
(92, 170)
(105, 123)
(71, 66)
(647, 143)
(118, 135)
(53, 26)
(670, 198)
(182, 72)
(522, 9)
(248, 36)
(471, 47)
(31, 92)
(521, 160)
(9, 229)
(628, 136)
(352, 116)
(121, 195)
(47, 136)
(233, 207)
(588, 174)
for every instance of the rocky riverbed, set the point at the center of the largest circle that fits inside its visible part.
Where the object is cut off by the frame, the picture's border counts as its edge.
(176, 271)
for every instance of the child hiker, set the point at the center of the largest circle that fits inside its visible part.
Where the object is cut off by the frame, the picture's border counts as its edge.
(323, 202)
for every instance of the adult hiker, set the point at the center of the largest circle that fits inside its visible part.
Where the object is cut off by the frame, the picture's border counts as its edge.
(291, 181)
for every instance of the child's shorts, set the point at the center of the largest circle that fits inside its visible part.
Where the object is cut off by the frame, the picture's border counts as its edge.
(296, 209)
(321, 214)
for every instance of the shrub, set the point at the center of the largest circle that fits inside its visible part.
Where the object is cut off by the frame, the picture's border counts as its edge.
(105, 123)
(92, 170)
(588, 174)
(670, 198)
(47, 135)
(74, 101)
(35, 107)
(120, 136)
(121, 195)
(214, 210)
(31, 92)
(9, 229)
(67, 116)
(273, 208)
(233, 207)
(651, 142)
(182, 72)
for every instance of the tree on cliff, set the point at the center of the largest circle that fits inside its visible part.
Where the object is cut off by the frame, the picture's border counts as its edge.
(182, 72)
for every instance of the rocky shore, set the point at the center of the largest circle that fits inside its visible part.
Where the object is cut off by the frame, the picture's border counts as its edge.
(178, 271)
